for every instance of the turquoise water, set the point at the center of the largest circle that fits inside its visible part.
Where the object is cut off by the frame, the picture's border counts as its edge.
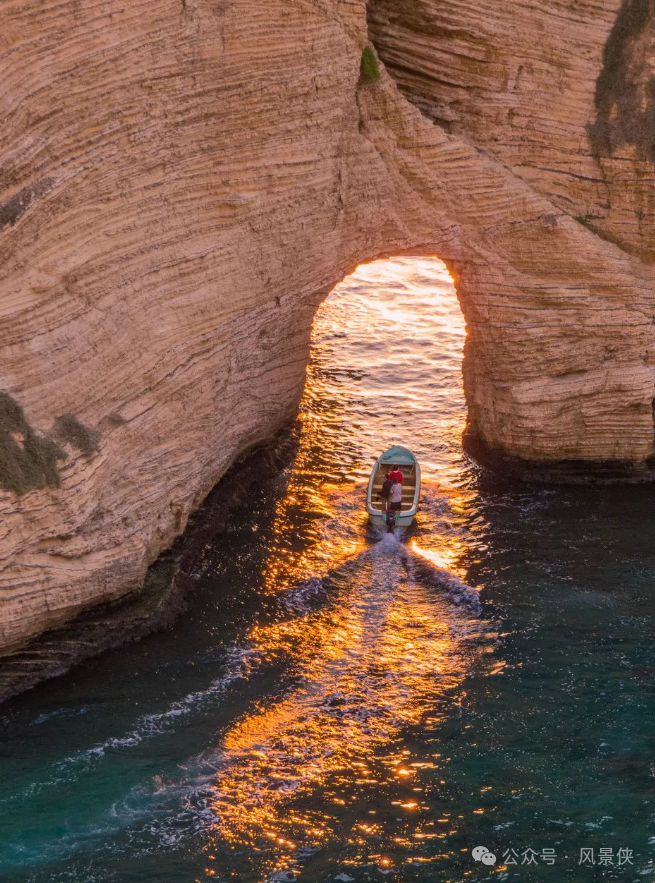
(341, 705)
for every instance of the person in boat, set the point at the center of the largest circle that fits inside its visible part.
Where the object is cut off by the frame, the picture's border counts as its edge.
(386, 487)
(395, 474)
(395, 498)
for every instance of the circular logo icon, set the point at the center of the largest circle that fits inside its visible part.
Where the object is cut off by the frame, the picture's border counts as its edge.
(482, 854)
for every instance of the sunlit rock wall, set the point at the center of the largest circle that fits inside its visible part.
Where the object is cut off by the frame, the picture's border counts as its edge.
(561, 92)
(183, 181)
(562, 95)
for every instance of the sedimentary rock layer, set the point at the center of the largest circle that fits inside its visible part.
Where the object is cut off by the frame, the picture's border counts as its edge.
(561, 92)
(182, 182)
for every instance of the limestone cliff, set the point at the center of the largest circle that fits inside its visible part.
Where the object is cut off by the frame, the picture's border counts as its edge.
(182, 182)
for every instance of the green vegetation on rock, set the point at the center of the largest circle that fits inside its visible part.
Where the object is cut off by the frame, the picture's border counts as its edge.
(625, 88)
(369, 67)
(27, 460)
(69, 429)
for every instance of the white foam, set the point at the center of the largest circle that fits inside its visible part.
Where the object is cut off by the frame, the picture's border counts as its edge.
(238, 665)
(457, 590)
(300, 598)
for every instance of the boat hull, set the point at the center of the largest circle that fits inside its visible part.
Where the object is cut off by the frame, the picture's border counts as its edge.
(381, 520)
(403, 457)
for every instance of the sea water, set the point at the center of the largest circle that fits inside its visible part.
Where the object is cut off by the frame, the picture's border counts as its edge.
(473, 698)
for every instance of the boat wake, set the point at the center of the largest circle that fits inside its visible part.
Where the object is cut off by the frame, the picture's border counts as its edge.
(371, 636)
(423, 564)
(381, 643)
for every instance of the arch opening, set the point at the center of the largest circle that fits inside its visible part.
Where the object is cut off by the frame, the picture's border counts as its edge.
(386, 367)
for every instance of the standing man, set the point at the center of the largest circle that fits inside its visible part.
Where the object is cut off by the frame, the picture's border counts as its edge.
(396, 474)
(386, 487)
(395, 497)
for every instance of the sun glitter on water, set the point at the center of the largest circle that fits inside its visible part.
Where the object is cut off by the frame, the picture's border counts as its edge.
(374, 648)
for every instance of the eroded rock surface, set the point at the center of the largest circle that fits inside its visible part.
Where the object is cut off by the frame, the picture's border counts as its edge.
(182, 182)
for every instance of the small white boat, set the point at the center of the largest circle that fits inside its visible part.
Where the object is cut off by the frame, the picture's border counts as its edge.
(375, 505)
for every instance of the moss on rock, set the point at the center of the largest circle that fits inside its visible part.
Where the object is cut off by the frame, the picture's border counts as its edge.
(369, 67)
(27, 460)
(625, 89)
(68, 428)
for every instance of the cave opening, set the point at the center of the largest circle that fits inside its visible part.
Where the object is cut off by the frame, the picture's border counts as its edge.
(386, 368)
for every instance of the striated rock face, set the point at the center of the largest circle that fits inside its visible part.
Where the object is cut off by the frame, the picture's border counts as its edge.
(563, 93)
(182, 182)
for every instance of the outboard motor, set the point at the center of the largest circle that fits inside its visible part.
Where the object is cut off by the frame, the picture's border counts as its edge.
(391, 520)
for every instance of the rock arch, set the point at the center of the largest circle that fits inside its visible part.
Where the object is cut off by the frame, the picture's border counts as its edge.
(183, 183)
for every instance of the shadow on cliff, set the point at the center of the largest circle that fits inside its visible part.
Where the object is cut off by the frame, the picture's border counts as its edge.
(163, 596)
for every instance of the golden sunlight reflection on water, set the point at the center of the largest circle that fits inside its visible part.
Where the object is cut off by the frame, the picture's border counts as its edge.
(372, 646)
